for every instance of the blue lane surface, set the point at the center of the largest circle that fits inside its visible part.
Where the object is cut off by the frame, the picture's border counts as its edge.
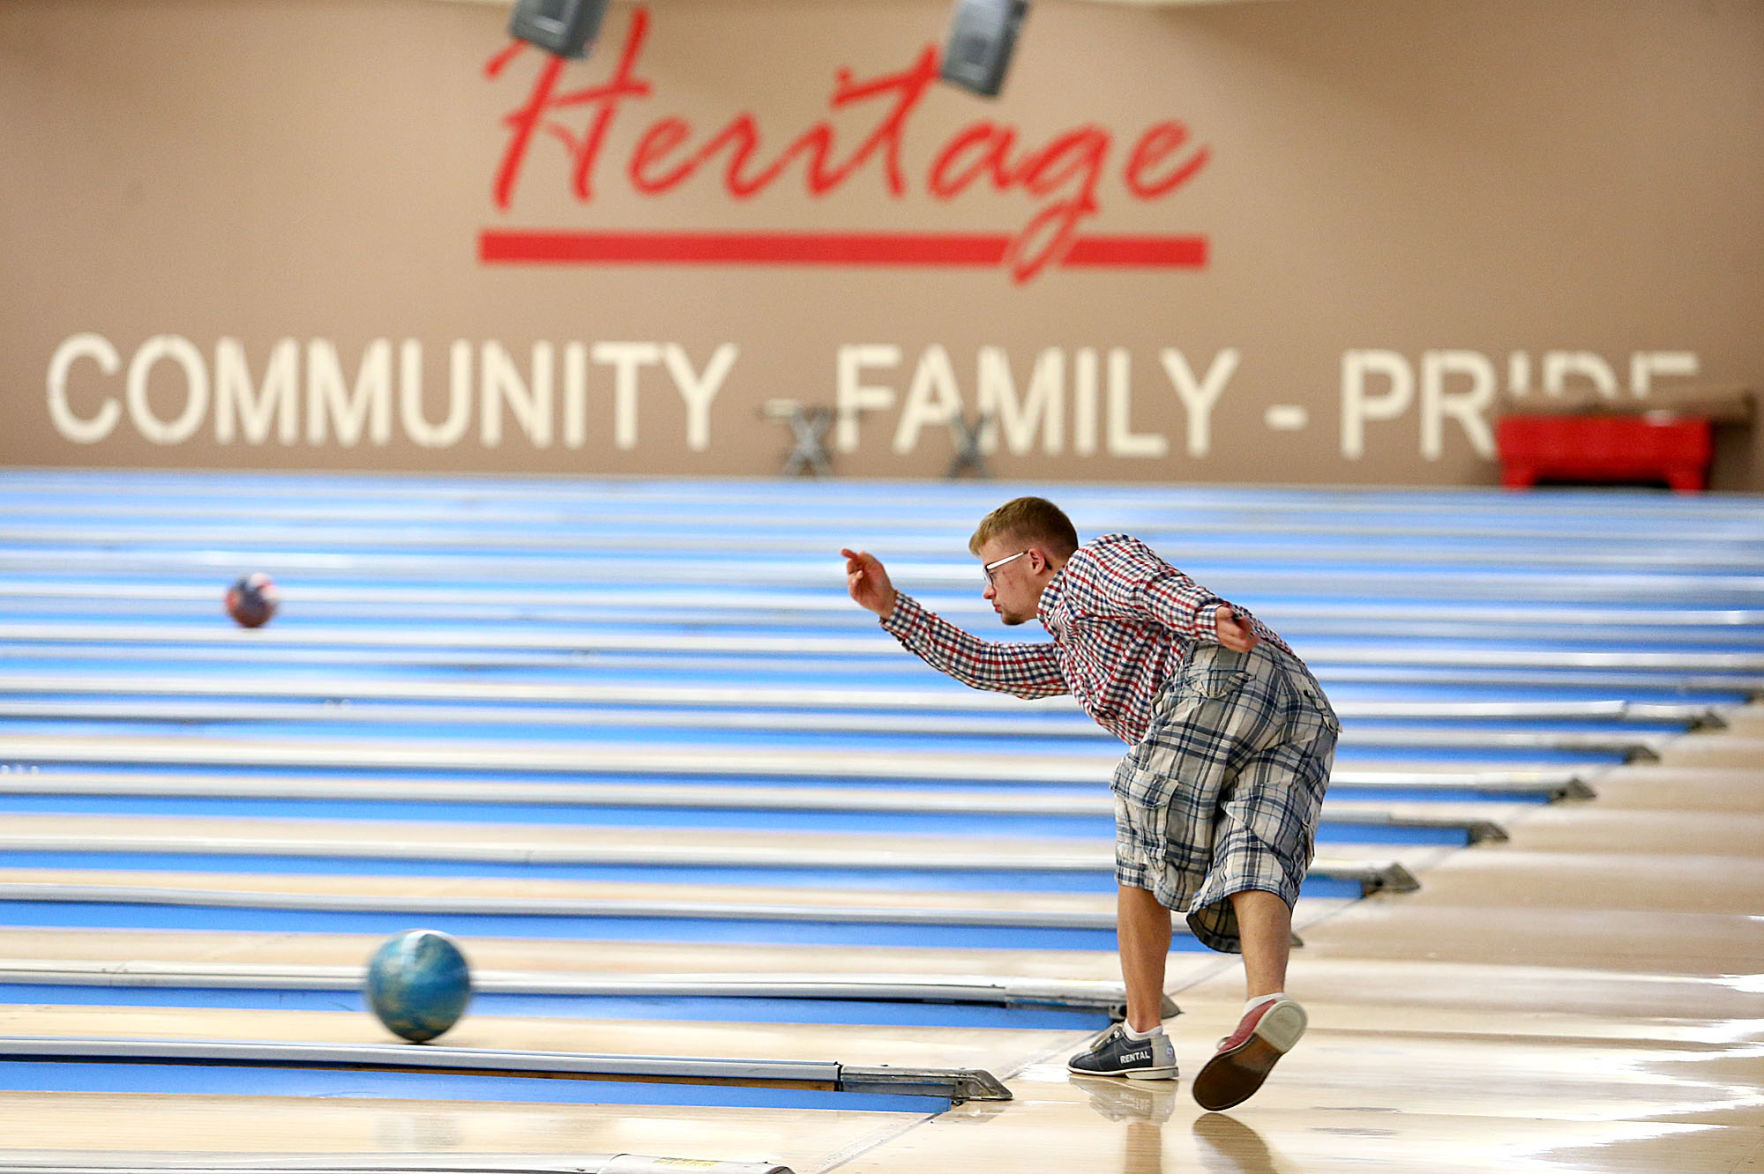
(506, 543)
(250, 679)
(734, 1009)
(1105, 754)
(207, 919)
(331, 624)
(980, 879)
(252, 699)
(572, 667)
(234, 1080)
(490, 779)
(569, 621)
(1100, 826)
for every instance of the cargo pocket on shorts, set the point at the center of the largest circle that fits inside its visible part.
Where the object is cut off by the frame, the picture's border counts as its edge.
(1213, 674)
(1319, 705)
(1145, 779)
(1216, 684)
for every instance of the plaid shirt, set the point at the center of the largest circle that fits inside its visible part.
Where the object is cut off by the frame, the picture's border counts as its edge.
(1122, 621)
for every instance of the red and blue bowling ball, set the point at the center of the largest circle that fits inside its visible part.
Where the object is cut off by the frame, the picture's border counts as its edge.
(418, 984)
(253, 600)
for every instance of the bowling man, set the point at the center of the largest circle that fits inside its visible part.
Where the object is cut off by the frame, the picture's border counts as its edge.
(1216, 802)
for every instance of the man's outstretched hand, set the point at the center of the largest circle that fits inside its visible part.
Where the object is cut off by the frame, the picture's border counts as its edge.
(868, 582)
(1234, 631)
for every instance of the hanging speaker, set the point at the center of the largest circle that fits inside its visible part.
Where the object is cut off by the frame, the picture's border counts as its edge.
(565, 27)
(982, 34)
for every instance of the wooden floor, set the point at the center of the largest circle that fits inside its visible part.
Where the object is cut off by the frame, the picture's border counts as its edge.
(1585, 996)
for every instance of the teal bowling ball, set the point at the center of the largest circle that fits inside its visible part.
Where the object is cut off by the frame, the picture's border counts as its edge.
(418, 984)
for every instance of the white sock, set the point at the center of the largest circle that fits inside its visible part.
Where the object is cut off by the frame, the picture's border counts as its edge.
(1252, 1004)
(1131, 1034)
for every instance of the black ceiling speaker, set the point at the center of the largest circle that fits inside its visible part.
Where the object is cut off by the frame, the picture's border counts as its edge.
(982, 34)
(565, 27)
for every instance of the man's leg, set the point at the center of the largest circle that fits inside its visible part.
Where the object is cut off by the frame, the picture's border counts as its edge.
(1142, 930)
(1264, 927)
(1138, 1049)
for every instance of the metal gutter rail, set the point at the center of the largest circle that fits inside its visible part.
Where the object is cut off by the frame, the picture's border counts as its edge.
(1000, 991)
(958, 1085)
(41, 1162)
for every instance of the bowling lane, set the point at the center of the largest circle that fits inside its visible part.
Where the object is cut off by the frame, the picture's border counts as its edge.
(1399, 768)
(38, 680)
(341, 996)
(330, 602)
(600, 602)
(1412, 742)
(804, 1066)
(247, 715)
(1515, 673)
(1082, 811)
(191, 874)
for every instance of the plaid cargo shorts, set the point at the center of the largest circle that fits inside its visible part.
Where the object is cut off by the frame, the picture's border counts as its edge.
(1221, 795)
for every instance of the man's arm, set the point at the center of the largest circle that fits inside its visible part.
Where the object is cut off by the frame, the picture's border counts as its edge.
(1133, 576)
(1026, 670)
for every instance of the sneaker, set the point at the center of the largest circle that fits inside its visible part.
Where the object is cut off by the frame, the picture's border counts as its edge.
(1247, 1055)
(1113, 1054)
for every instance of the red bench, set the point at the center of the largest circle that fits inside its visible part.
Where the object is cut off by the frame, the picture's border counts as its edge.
(1652, 446)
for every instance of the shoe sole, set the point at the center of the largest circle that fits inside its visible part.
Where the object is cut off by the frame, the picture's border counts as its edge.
(1231, 1078)
(1151, 1074)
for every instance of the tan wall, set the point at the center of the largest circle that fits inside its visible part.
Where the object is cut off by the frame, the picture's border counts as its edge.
(249, 234)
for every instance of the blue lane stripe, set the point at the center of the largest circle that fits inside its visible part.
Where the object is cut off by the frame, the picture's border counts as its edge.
(783, 782)
(247, 659)
(1465, 793)
(1099, 880)
(356, 636)
(240, 711)
(1100, 826)
(1702, 581)
(851, 1012)
(234, 1080)
(95, 915)
(569, 668)
(174, 619)
(568, 622)
(881, 879)
(1419, 794)
(136, 770)
(1105, 754)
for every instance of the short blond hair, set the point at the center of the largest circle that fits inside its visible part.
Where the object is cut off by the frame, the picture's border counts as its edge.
(1032, 520)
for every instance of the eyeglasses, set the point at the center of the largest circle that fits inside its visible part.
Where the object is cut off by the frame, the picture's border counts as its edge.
(991, 567)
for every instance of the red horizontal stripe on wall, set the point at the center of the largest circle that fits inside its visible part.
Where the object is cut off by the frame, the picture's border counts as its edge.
(527, 246)
(725, 248)
(1163, 252)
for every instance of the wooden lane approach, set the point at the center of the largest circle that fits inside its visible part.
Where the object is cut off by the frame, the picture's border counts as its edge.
(523, 845)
